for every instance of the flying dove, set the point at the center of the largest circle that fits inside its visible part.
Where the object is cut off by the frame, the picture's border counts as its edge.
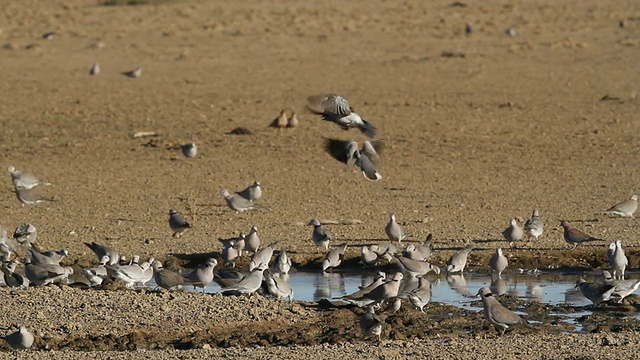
(166, 278)
(513, 233)
(282, 264)
(534, 226)
(250, 283)
(261, 257)
(135, 73)
(498, 262)
(595, 292)
(293, 120)
(95, 69)
(333, 258)
(203, 275)
(371, 324)
(501, 317)
(21, 339)
(177, 223)
(394, 230)
(320, 236)
(236, 202)
(253, 192)
(574, 236)
(25, 180)
(625, 208)
(252, 241)
(102, 250)
(281, 121)
(189, 150)
(346, 151)
(458, 261)
(622, 288)
(416, 268)
(421, 295)
(25, 234)
(336, 109)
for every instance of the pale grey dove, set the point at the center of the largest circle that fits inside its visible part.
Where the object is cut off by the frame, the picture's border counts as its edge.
(320, 236)
(11, 277)
(617, 259)
(253, 192)
(421, 295)
(426, 247)
(371, 324)
(189, 150)
(203, 275)
(623, 288)
(368, 255)
(20, 340)
(229, 252)
(513, 233)
(394, 230)
(252, 240)
(97, 274)
(382, 293)
(498, 262)
(333, 258)
(135, 73)
(534, 225)
(227, 278)
(30, 197)
(501, 317)
(458, 261)
(249, 284)
(236, 202)
(378, 280)
(277, 286)
(40, 275)
(625, 208)
(346, 151)
(336, 109)
(415, 268)
(25, 180)
(131, 274)
(166, 278)
(102, 250)
(261, 257)
(25, 234)
(177, 223)
(47, 257)
(282, 264)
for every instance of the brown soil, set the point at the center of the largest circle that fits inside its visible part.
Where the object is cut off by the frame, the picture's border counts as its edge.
(479, 128)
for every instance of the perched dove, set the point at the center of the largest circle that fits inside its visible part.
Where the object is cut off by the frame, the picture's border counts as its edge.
(102, 250)
(293, 120)
(333, 258)
(574, 236)
(277, 286)
(135, 73)
(30, 197)
(625, 208)
(458, 261)
(336, 109)
(189, 149)
(371, 324)
(40, 275)
(250, 283)
(252, 241)
(166, 278)
(421, 295)
(177, 223)
(595, 292)
(203, 275)
(25, 180)
(281, 121)
(498, 262)
(534, 226)
(320, 236)
(261, 257)
(622, 288)
(25, 234)
(282, 264)
(21, 339)
(513, 233)
(346, 151)
(95, 69)
(498, 315)
(253, 192)
(11, 277)
(394, 230)
(236, 202)
(415, 268)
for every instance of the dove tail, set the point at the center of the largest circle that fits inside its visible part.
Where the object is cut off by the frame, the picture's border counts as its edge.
(368, 129)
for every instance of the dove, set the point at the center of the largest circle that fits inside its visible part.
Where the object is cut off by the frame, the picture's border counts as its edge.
(21, 339)
(617, 259)
(534, 226)
(102, 250)
(625, 208)
(415, 268)
(574, 236)
(378, 279)
(293, 120)
(410, 252)
(189, 150)
(261, 257)
(595, 292)
(252, 241)
(277, 286)
(253, 192)
(510, 31)
(25, 234)
(371, 324)
(421, 295)
(166, 278)
(8, 246)
(501, 317)
(386, 250)
(135, 73)
(368, 255)
(11, 277)
(132, 274)
(240, 244)
(177, 223)
(622, 288)
(498, 262)
(47, 257)
(227, 278)
(513, 233)
(320, 236)
(97, 274)
(229, 252)
(382, 293)
(30, 197)
(203, 275)
(333, 258)
(336, 109)
(95, 69)
(236, 202)
(40, 275)
(458, 261)
(346, 151)
(282, 264)
(25, 180)
(249, 284)
(394, 230)
(394, 305)
(426, 247)
(281, 121)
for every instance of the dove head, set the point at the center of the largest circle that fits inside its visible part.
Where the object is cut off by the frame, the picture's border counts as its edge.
(535, 213)
(619, 243)
(63, 252)
(380, 275)
(157, 265)
(253, 229)
(104, 260)
(411, 247)
(580, 282)
(374, 247)
(612, 245)
(314, 222)
(634, 197)
(565, 224)
(606, 275)
(211, 262)
(392, 216)
(484, 292)
(435, 269)
(172, 212)
(11, 169)
(499, 251)
(225, 193)
(514, 222)
(397, 276)
(257, 183)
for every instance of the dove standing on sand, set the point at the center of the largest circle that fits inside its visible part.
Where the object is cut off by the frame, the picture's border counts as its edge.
(97, 274)
(293, 120)
(282, 264)
(346, 151)
(177, 223)
(95, 69)
(253, 192)
(30, 197)
(252, 241)
(281, 121)
(229, 252)
(135, 73)
(498, 262)
(132, 274)
(394, 230)
(25, 234)
(336, 109)
(625, 208)
(334, 257)
(250, 283)
(189, 150)
(458, 261)
(11, 277)
(203, 275)
(320, 236)
(415, 268)
(25, 180)
(623, 288)
(421, 295)
(595, 292)
(513, 233)
(371, 324)
(102, 250)
(236, 202)
(21, 339)
(166, 278)
(534, 226)
(617, 259)
(498, 315)
(40, 275)
(574, 236)
(261, 257)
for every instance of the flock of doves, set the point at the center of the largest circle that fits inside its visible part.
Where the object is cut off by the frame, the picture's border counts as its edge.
(270, 278)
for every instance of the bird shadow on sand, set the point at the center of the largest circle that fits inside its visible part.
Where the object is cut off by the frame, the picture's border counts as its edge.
(196, 259)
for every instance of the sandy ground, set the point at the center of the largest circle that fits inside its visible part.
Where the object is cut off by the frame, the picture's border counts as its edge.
(479, 128)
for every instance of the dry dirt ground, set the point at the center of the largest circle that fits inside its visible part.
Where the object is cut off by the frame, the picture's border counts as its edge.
(479, 128)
